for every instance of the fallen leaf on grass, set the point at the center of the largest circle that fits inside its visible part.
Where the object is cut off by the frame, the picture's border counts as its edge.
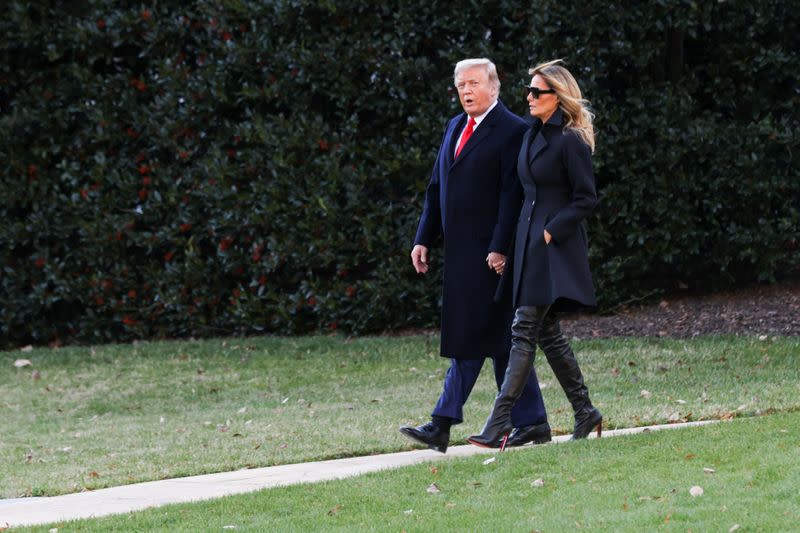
(335, 510)
(449, 505)
(489, 461)
(434, 470)
(36, 375)
(228, 527)
(242, 410)
(733, 528)
(19, 363)
(537, 483)
(93, 474)
(645, 393)
(696, 491)
(708, 470)
(408, 511)
(474, 484)
(433, 488)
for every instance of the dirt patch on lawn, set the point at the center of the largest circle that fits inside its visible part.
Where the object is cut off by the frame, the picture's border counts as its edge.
(757, 310)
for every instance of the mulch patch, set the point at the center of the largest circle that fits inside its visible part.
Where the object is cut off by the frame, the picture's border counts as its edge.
(757, 310)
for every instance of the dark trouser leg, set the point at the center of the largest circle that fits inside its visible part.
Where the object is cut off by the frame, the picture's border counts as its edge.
(458, 383)
(565, 367)
(524, 332)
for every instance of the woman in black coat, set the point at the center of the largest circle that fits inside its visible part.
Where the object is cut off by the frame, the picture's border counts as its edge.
(551, 265)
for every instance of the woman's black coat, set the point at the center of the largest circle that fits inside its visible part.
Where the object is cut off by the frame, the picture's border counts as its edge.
(555, 170)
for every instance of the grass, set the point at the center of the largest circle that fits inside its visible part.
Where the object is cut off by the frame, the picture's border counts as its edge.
(116, 414)
(635, 483)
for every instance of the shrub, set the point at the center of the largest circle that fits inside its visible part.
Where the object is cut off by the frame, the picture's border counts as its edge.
(245, 167)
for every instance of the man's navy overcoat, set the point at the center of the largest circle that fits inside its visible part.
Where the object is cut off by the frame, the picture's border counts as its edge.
(473, 202)
(555, 169)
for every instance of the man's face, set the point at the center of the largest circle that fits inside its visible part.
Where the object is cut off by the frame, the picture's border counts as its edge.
(475, 91)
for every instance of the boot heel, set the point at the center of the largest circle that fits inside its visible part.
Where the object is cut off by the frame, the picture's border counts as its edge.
(599, 429)
(487, 442)
(503, 444)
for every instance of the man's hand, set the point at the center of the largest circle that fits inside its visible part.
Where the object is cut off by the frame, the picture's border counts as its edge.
(496, 262)
(547, 237)
(419, 258)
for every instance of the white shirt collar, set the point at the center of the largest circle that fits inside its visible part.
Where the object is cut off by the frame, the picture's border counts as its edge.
(480, 118)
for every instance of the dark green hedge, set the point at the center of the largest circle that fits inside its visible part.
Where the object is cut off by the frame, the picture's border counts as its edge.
(241, 167)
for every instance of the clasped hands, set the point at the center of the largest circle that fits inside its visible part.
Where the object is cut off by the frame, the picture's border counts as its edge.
(495, 261)
(419, 258)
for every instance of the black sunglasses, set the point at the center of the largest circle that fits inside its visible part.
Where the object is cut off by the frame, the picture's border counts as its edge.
(535, 91)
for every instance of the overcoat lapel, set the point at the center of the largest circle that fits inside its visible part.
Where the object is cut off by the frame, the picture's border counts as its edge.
(523, 170)
(539, 143)
(483, 131)
(460, 123)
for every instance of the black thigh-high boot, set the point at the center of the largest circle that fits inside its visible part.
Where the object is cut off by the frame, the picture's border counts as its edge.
(524, 331)
(565, 367)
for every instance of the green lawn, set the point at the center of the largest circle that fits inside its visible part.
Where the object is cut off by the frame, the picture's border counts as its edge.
(749, 470)
(117, 414)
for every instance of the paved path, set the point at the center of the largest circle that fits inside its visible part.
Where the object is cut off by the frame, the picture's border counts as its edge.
(127, 498)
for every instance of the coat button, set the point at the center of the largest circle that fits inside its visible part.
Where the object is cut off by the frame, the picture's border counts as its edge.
(533, 203)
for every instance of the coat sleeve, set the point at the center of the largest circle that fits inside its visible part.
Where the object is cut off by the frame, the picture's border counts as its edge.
(577, 160)
(430, 221)
(510, 194)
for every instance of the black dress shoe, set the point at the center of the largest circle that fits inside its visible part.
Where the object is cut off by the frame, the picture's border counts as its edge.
(430, 434)
(536, 434)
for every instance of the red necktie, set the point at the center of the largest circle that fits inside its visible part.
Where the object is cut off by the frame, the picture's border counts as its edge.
(466, 135)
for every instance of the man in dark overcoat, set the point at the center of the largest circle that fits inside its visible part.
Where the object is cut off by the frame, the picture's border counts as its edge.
(472, 202)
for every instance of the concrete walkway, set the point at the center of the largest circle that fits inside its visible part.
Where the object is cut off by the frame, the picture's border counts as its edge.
(127, 498)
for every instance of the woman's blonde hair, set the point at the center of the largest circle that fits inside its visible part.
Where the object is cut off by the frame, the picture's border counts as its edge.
(576, 109)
